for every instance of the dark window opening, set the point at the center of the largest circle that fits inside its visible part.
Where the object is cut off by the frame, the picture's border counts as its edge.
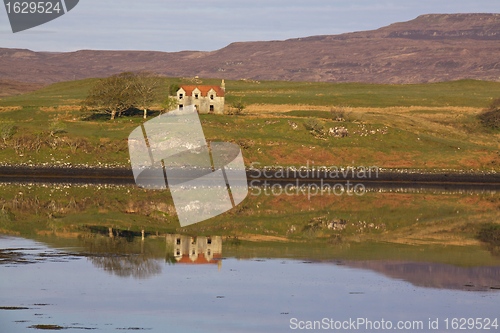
(178, 252)
(181, 96)
(178, 241)
(211, 97)
(211, 108)
(181, 106)
(196, 96)
(209, 240)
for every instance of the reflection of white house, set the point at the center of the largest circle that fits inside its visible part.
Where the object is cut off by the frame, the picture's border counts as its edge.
(206, 99)
(195, 250)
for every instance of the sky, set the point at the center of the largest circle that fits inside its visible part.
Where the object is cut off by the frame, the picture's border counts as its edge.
(164, 25)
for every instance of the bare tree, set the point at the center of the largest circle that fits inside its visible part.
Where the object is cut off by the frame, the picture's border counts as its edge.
(113, 95)
(146, 87)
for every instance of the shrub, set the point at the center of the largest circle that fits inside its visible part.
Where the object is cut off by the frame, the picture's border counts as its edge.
(172, 89)
(314, 125)
(56, 127)
(491, 116)
(7, 131)
(339, 113)
(490, 233)
(237, 108)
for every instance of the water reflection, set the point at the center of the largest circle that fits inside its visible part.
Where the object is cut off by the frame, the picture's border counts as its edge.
(125, 266)
(74, 294)
(194, 250)
(139, 255)
(127, 253)
(434, 275)
(119, 252)
(138, 266)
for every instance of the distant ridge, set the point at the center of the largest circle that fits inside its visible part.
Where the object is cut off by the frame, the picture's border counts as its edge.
(430, 48)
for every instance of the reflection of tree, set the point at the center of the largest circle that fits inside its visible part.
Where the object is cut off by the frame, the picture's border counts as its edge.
(169, 256)
(137, 266)
(121, 256)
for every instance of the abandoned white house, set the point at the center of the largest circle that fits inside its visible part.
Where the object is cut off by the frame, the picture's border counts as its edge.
(206, 99)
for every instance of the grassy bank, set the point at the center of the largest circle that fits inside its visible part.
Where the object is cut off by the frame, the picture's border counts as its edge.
(419, 217)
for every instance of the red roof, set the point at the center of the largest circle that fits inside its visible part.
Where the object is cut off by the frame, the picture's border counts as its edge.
(200, 259)
(203, 89)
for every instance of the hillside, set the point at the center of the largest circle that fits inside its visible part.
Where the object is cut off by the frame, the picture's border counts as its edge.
(430, 48)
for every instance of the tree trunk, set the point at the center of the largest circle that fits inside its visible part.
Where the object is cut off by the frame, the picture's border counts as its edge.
(113, 114)
(145, 113)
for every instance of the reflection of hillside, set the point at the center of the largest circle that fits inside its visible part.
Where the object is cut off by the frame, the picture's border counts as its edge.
(433, 275)
(195, 250)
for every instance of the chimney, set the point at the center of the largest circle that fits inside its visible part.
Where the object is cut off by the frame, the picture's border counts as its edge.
(223, 85)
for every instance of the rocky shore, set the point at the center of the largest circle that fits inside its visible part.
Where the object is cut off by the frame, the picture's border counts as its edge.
(109, 174)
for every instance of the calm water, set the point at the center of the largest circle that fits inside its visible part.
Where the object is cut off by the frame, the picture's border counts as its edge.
(116, 288)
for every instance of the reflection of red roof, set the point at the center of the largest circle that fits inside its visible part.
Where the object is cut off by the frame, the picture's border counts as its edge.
(200, 259)
(203, 90)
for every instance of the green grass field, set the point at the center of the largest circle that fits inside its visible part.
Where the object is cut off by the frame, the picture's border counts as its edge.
(466, 93)
(425, 126)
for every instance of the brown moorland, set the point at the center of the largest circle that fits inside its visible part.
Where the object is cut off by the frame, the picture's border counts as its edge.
(430, 48)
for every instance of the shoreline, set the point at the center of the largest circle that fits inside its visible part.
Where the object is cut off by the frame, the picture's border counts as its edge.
(258, 177)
